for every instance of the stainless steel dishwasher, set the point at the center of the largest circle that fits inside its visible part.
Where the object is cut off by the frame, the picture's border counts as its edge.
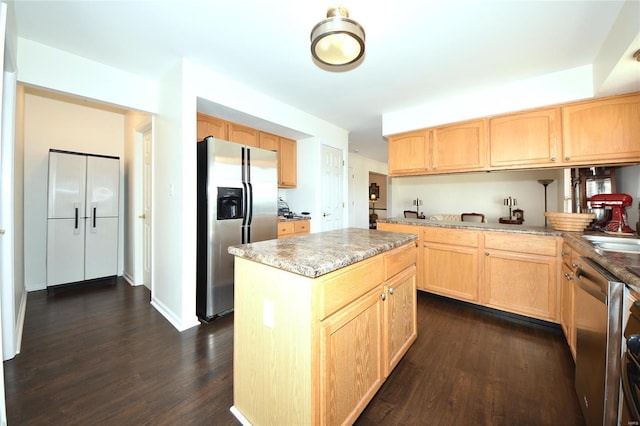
(598, 314)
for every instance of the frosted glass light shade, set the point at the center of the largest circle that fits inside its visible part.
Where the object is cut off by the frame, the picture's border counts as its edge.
(337, 40)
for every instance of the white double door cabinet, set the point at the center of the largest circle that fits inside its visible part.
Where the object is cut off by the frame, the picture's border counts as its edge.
(82, 223)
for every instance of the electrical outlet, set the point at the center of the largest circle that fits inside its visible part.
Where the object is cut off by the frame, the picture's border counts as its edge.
(267, 313)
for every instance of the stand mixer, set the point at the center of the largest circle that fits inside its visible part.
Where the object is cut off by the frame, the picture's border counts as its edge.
(617, 221)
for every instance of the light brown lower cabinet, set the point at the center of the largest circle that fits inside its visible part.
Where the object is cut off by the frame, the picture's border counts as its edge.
(511, 272)
(292, 228)
(521, 274)
(451, 263)
(571, 259)
(567, 296)
(315, 351)
(522, 284)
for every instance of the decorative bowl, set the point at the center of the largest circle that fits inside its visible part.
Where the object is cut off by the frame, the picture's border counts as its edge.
(569, 221)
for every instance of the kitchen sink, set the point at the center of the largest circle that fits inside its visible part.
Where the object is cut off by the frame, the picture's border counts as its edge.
(619, 244)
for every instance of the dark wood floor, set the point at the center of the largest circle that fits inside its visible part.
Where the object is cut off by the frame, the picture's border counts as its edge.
(103, 355)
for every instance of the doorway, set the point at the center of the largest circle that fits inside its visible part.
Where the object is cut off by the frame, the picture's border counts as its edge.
(377, 198)
(332, 204)
(144, 166)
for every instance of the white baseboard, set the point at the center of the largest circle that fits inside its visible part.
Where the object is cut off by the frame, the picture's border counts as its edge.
(171, 317)
(238, 415)
(22, 312)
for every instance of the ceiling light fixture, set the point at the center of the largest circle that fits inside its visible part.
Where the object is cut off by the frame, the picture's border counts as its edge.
(337, 40)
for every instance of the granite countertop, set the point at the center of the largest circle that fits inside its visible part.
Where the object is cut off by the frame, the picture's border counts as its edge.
(313, 255)
(498, 227)
(614, 262)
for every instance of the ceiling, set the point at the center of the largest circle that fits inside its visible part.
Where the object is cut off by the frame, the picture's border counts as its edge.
(417, 51)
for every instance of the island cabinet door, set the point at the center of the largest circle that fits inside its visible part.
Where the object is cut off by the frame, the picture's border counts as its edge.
(400, 317)
(522, 284)
(451, 271)
(351, 359)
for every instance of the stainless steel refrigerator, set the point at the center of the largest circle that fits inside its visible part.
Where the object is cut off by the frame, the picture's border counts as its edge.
(237, 204)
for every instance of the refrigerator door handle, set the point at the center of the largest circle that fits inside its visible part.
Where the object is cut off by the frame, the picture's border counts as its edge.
(250, 210)
(94, 217)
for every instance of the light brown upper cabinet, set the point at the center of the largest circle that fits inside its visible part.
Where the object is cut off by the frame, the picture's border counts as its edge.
(454, 148)
(602, 130)
(269, 141)
(409, 153)
(459, 147)
(287, 163)
(526, 139)
(287, 158)
(226, 130)
(211, 126)
(243, 135)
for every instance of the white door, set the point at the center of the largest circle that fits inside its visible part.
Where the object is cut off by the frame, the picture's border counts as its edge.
(146, 208)
(332, 203)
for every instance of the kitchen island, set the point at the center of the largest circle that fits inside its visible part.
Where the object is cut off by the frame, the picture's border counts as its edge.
(320, 321)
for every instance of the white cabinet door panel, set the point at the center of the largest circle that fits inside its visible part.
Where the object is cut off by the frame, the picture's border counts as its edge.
(67, 178)
(101, 259)
(65, 251)
(103, 175)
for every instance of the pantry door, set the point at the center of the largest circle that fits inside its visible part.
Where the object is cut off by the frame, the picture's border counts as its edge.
(332, 203)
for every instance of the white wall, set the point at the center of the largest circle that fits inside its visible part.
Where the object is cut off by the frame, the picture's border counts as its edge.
(257, 107)
(563, 86)
(628, 182)
(358, 199)
(50, 123)
(479, 192)
(307, 196)
(44, 66)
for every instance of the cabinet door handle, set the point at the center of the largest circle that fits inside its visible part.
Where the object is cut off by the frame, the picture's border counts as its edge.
(383, 296)
(553, 158)
(567, 276)
(390, 290)
(563, 253)
(573, 265)
(486, 253)
(567, 158)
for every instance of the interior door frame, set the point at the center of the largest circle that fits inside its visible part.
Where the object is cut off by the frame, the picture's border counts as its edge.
(138, 227)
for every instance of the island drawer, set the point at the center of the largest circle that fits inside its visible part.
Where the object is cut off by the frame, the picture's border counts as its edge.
(521, 243)
(458, 237)
(345, 287)
(399, 259)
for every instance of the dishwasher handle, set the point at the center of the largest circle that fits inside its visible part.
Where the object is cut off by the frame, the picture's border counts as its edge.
(589, 284)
